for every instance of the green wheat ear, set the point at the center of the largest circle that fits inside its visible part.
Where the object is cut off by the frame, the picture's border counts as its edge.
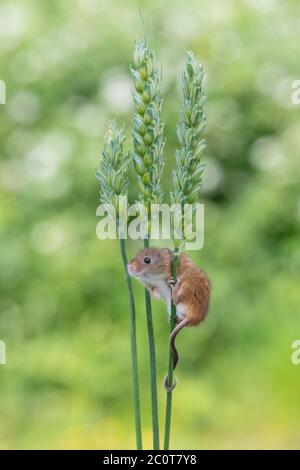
(187, 177)
(148, 140)
(112, 172)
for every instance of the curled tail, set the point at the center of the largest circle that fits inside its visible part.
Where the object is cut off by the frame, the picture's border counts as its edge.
(174, 352)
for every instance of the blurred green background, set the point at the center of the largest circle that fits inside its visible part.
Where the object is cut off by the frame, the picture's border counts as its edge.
(63, 303)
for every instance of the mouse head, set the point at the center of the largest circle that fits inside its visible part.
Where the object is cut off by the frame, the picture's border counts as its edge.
(151, 263)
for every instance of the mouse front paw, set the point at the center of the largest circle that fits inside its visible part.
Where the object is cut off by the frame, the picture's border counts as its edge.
(155, 292)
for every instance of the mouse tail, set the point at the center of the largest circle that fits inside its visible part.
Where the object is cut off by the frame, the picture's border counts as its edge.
(174, 352)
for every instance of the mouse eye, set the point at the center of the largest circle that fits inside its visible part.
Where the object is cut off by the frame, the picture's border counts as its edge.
(147, 260)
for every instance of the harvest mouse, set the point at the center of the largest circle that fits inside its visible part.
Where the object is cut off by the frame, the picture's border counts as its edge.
(190, 293)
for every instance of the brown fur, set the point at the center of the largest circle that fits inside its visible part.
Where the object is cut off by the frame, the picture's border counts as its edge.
(161, 262)
(192, 288)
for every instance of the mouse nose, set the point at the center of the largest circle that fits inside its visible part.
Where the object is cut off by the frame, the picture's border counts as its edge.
(132, 267)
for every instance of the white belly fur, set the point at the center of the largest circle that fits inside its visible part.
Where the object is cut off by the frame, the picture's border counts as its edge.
(165, 293)
(180, 311)
(163, 288)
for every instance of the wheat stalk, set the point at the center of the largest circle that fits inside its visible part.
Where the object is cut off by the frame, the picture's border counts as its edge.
(148, 142)
(113, 180)
(187, 178)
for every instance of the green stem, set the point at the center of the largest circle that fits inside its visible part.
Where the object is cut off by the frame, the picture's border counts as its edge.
(155, 427)
(170, 369)
(134, 359)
